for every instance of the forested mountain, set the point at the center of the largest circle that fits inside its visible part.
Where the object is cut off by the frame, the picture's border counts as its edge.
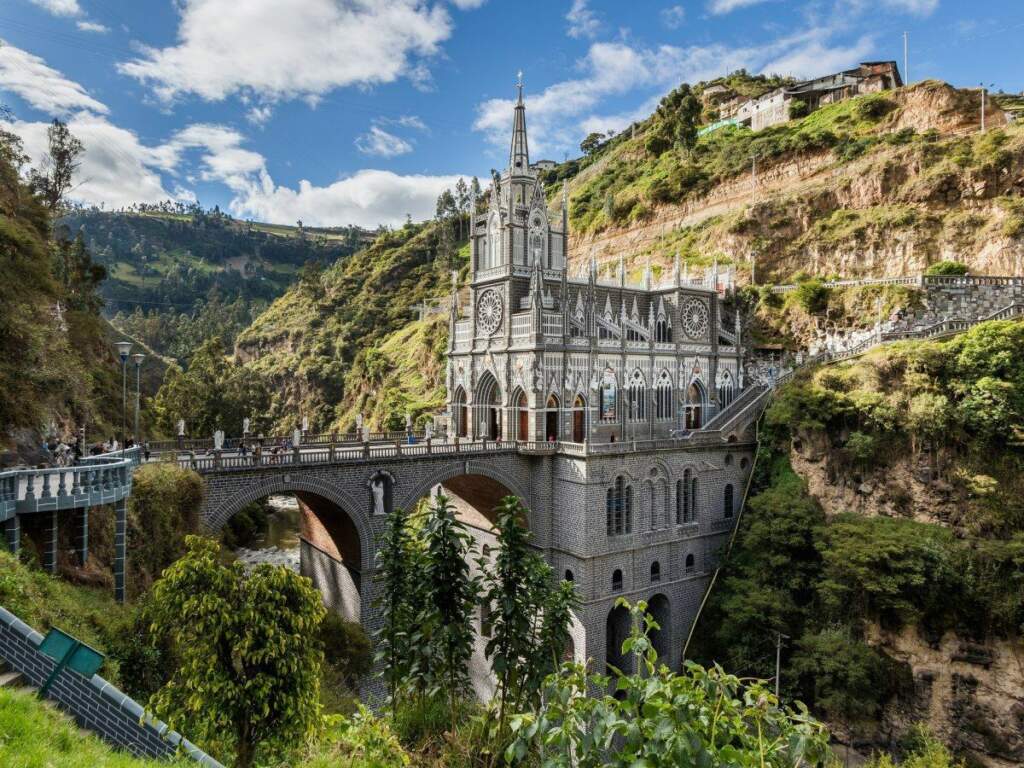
(58, 372)
(179, 274)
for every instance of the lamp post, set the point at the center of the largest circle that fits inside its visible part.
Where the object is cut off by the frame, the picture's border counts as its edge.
(137, 358)
(124, 348)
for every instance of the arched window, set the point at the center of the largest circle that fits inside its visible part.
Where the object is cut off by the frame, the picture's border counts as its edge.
(667, 495)
(689, 564)
(744, 463)
(617, 581)
(694, 405)
(726, 391)
(637, 396)
(485, 551)
(568, 575)
(728, 459)
(684, 502)
(461, 414)
(493, 243)
(655, 571)
(693, 499)
(652, 505)
(619, 507)
(551, 420)
(663, 397)
(662, 331)
(609, 397)
(727, 501)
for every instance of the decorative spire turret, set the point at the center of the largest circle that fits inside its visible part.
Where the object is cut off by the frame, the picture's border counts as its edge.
(519, 153)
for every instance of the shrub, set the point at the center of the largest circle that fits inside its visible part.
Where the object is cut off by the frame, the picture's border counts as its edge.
(346, 647)
(862, 448)
(946, 268)
(812, 296)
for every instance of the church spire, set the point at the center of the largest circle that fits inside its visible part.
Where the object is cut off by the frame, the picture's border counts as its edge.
(519, 153)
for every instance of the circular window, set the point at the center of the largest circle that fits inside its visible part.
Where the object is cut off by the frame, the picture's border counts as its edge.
(695, 319)
(488, 312)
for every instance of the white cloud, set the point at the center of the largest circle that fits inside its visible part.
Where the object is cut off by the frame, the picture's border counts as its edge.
(312, 46)
(41, 86)
(406, 121)
(563, 113)
(92, 26)
(816, 58)
(379, 142)
(260, 114)
(719, 7)
(59, 7)
(467, 5)
(673, 17)
(583, 22)
(115, 169)
(367, 198)
(916, 7)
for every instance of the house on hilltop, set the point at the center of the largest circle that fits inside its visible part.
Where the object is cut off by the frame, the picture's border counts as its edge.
(775, 106)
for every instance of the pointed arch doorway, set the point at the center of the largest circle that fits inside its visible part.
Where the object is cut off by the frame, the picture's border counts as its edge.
(551, 420)
(695, 405)
(579, 419)
(489, 408)
(522, 417)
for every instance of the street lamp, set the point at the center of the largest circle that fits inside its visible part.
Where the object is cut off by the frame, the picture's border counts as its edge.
(137, 358)
(124, 348)
(984, 91)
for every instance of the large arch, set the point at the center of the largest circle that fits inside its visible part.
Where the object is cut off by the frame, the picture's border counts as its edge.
(579, 419)
(552, 418)
(487, 405)
(521, 409)
(661, 638)
(456, 469)
(617, 627)
(696, 402)
(338, 545)
(460, 412)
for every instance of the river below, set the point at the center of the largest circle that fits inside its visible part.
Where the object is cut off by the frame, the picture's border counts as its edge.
(280, 544)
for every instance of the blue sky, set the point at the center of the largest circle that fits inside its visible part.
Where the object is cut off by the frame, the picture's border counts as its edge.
(356, 111)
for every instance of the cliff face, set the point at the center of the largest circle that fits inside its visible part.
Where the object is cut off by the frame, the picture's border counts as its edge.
(856, 195)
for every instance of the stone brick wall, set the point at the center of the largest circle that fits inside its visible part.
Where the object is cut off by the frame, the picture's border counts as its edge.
(93, 702)
(967, 298)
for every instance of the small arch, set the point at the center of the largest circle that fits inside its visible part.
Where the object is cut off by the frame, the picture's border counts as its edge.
(551, 419)
(522, 421)
(655, 571)
(579, 419)
(696, 398)
(488, 407)
(727, 500)
(460, 412)
(617, 628)
(689, 563)
(728, 459)
(661, 638)
(486, 624)
(617, 580)
(744, 463)
(663, 396)
(637, 396)
(569, 576)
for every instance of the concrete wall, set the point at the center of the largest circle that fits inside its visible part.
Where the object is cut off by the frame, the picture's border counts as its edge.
(93, 702)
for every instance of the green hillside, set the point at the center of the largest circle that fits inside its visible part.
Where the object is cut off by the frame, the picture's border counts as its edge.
(324, 344)
(181, 274)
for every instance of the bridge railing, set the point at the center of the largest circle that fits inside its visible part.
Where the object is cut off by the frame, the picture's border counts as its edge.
(310, 439)
(97, 480)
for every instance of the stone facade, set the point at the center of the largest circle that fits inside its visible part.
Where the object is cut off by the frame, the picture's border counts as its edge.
(603, 406)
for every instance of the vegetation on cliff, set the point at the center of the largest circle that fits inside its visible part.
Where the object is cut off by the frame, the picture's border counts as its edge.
(340, 341)
(56, 366)
(826, 576)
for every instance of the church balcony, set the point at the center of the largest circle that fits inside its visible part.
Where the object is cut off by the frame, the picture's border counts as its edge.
(638, 345)
(491, 273)
(552, 324)
(664, 346)
(520, 326)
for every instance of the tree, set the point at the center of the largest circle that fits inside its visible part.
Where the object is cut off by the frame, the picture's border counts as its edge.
(530, 615)
(461, 201)
(591, 143)
(53, 179)
(397, 611)
(451, 593)
(947, 268)
(248, 678)
(475, 192)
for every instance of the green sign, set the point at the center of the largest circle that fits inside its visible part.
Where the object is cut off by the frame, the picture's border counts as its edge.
(69, 653)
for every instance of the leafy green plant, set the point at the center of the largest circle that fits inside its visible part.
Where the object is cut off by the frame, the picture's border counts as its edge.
(954, 268)
(248, 679)
(660, 718)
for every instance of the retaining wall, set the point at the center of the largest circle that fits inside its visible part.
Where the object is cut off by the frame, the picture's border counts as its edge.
(93, 702)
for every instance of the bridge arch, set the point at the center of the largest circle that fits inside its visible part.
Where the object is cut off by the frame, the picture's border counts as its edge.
(346, 593)
(458, 469)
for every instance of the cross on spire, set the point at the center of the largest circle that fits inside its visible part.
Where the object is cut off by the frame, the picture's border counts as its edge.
(519, 84)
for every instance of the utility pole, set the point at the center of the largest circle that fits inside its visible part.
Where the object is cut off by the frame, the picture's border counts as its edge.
(906, 59)
(984, 93)
(753, 169)
(778, 660)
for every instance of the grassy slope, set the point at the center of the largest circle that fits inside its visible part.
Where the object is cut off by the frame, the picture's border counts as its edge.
(626, 186)
(34, 735)
(326, 346)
